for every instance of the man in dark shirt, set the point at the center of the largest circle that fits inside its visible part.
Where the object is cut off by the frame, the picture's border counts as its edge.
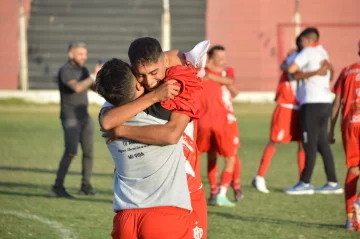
(74, 81)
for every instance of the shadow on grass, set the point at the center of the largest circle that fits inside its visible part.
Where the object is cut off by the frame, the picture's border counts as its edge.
(50, 171)
(25, 194)
(47, 187)
(275, 221)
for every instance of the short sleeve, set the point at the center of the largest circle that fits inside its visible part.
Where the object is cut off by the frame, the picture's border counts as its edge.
(338, 87)
(302, 59)
(66, 75)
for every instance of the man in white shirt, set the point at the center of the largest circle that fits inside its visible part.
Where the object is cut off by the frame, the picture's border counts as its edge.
(315, 101)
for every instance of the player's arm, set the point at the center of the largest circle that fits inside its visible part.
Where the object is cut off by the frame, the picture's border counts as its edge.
(116, 116)
(233, 91)
(219, 79)
(165, 134)
(336, 105)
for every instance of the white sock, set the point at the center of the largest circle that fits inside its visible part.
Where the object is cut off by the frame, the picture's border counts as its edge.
(222, 192)
(333, 184)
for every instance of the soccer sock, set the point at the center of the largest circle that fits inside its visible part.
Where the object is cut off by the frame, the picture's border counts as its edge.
(236, 173)
(212, 173)
(225, 181)
(265, 160)
(350, 191)
(301, 161)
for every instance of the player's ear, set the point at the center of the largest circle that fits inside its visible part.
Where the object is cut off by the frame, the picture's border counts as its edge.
(139, 86)
(166, 60)
(71, 54)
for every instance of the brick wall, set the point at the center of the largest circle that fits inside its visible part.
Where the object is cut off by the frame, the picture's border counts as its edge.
(9, 43)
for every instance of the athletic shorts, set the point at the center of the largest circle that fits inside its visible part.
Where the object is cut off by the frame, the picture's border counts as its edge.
(152, 223)
(225, 141)
(198, 221)
(351, 143)
(285, 125)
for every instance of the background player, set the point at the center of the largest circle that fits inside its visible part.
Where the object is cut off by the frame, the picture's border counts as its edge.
(348, 99)
(218, 128)
(285, 124)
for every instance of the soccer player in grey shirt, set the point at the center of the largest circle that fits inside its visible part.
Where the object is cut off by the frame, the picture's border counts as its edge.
(151, 194)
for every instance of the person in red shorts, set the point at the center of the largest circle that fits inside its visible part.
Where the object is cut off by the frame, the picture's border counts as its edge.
(347, 90)
(152, 67)
(285, 123)
(218, 128)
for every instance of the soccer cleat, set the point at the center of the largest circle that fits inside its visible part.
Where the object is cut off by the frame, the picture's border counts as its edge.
(224, 201)
(300, 189)
(238, 195)
(212, 199)
(260, 184)
(60, 192)
(87, 189)
(328, 189)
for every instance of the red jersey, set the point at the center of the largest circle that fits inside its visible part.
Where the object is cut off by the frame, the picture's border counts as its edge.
(286, 91)
(216, 102)
(348, 87)
(188, 102)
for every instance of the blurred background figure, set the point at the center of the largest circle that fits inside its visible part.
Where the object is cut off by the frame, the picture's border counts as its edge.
(74, 81)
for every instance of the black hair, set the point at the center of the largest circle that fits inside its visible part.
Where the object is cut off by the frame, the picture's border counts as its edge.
(311, 32)
(115, 82)
(215, 48)
(145, 50)
(298, 43)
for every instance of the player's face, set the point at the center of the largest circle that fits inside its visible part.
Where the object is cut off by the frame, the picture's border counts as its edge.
(305, 42)
(151, 75)
(219, 59)
(78, 55)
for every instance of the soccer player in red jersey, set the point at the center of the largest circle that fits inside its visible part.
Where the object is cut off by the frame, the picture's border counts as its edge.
(151, 67)
(218, 129)
(285, 124)
(347, 90)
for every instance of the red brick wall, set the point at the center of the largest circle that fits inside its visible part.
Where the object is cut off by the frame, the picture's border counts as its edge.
(248, 29)
(9, 43)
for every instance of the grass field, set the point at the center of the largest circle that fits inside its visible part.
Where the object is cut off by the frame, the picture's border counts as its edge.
(31, 144)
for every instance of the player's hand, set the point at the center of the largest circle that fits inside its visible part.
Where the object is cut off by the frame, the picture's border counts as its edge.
(97, 68)
(331, 138)
(324, 67)
(167, 90)
(110, 134)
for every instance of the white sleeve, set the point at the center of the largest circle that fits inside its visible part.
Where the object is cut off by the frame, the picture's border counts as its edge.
(197, 56)
(302, 59)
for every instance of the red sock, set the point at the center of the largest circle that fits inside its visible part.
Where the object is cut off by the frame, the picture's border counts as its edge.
(301, 161)
(266, 159)
(226, 178)
(236, 173)
(212, 173)
(350, 191)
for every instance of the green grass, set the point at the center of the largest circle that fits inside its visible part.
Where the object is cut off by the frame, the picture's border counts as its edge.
(31, 144)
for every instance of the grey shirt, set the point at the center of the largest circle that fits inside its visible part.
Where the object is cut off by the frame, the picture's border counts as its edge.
(149, 175)
(73, 105)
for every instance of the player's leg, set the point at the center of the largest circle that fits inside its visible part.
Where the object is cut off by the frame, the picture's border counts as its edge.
(300, 158)
(71, 129)
(87, 145)
(352, 152)
(310, 134)
(236, 179)
(199, 217)
(332, 186)
(125, 225)
(165, 223)
(212, 170)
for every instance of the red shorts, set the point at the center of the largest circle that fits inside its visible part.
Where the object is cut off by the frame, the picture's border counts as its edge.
(198, 217)
(152, 223)
(351, 143)
(285, 125)
(225, 141)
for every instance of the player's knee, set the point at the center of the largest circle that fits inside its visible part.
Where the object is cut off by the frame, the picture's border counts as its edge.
(354, 170)
(273, 144)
